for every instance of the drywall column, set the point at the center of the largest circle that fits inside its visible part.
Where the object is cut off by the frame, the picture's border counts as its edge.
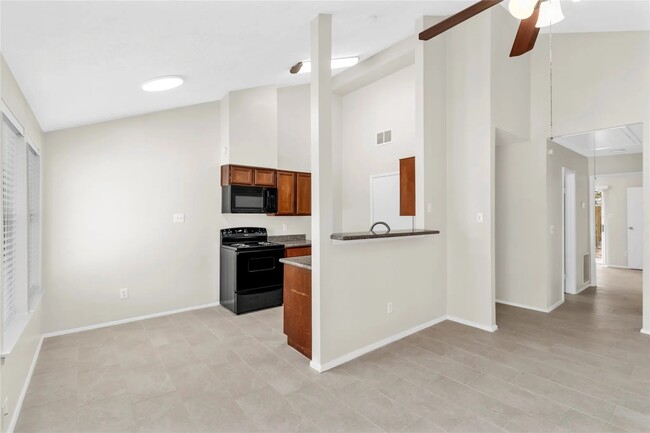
(321, 168)
(430, 144)
(470, 168)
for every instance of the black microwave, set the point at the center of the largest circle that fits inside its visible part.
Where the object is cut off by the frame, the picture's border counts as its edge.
(248, 199)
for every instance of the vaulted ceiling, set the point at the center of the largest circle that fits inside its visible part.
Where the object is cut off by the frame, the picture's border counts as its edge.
(80, 62)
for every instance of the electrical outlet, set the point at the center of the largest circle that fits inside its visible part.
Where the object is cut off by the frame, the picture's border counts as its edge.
(179, 218)
(389, 308)
(124, 293)
(285, 228)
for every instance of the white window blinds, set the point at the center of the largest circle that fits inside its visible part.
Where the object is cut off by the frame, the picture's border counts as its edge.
(33, 224)
(9, 150)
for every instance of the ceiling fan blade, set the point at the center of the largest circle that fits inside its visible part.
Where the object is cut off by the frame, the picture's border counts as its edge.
(456, 19)
(526, 35)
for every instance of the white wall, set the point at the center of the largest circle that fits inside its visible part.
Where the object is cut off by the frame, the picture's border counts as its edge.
(252, 124)
(15, 368)
(615, 197)
(616, 164)
(520, 224)
(294, 152)
(470, 165)
(563, 157)
(388, 103)
(599, 81)
(111, 190)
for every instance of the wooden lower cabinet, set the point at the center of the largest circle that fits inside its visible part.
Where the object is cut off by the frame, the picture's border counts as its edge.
(297, 252)
(297, 308)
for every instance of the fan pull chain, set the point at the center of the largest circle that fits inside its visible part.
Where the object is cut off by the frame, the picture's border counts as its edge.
(550, 66)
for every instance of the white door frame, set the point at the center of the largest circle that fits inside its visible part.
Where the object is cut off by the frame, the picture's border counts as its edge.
(569, 277)
(627, 223)
(592, 237)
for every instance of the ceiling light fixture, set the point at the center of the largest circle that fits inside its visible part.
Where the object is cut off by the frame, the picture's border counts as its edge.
(305, 67)
(550, 13)
(162, 83)
(522, 9)
(617, 150)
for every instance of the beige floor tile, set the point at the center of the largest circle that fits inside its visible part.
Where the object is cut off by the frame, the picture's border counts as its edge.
(147, 382)
(58, 416)
(221, 415)
(173, 355)
(195, 379)
(93, 358)
(421, 425)
(101, 384)
(237, 378)
(269, 412)
(111, 415)
(388, 414)
(578, 422)
(50, 387)
(162, 414)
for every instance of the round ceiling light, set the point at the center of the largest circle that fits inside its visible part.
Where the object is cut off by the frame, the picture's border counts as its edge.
(162, 83)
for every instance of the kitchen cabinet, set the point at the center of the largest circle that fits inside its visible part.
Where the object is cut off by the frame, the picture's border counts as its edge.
(297, 251)
(297, 308)
(303, 193)
(407, 186)
(286, 181)
(243, 175)
(265, 177)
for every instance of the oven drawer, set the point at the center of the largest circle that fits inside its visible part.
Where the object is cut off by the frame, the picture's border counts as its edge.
(253, 300)
(259, 269)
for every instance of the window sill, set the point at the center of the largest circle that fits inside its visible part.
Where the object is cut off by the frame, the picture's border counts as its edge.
(16, 327)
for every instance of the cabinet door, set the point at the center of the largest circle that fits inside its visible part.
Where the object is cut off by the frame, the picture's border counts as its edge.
(297, 252)
(297, 308)
(286, 193)
(241, 175)
(407, 186)
(264, 177)
(303, 194)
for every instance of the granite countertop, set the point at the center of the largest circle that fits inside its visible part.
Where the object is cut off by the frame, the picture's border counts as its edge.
(300, 262)
(291, 241)
(354, 236)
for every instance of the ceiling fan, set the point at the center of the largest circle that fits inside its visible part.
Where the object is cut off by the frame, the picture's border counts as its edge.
(532, 13)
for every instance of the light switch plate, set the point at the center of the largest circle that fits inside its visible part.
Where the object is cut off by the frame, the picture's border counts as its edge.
(179, 218)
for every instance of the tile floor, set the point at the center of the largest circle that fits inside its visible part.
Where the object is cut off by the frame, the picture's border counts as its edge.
(582, 368)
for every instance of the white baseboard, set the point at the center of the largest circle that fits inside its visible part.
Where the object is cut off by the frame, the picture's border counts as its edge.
(618, 267)
(374, 346)
(529, 307)
(583, 288)
(23, 392)
(554, 306)
(645, 331)
(487, 328)
(130, 319)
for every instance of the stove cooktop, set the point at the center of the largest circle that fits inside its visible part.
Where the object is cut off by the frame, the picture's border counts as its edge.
(251, 245)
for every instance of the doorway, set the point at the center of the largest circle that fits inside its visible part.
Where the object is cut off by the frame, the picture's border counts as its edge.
(569, 231)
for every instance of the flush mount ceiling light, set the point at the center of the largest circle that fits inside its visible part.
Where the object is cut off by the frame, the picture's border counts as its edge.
(305, 67)
(162, 83)
(550, 13)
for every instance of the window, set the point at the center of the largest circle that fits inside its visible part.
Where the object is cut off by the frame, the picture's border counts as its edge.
(21, 230)
(33, 226)
(10, 138)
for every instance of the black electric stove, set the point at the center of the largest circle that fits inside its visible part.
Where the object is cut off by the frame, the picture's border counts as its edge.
(251, 273)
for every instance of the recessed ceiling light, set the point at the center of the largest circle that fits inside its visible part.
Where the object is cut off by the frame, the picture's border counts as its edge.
(617, 150)
(343, 62)
(162, 83)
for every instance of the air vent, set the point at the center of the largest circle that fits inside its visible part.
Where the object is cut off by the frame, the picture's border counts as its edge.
(384, 137)
(586, 268)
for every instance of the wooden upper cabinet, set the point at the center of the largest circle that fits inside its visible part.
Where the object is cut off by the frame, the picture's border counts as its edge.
(303, 194)
(242, 175)
(407, 186)
(265, 177)
(286, 192)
